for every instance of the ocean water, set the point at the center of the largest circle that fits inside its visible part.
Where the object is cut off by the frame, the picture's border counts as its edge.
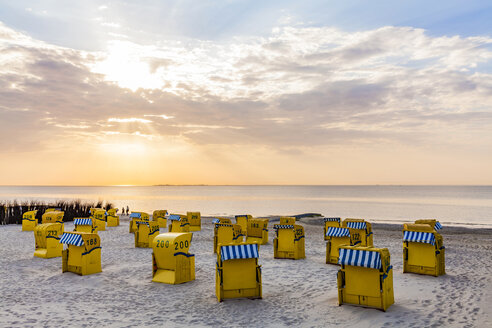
(453, 205)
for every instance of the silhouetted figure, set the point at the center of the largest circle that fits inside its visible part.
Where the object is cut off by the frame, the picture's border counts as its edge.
(127, 210)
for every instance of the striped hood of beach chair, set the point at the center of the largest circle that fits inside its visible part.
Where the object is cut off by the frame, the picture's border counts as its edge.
(357, 225)
(331, 220)
(283, 226)
(215, 221)
(174, 217)
(136, 215)
(142, 222)
(362, 258)
(419, 237)
(233, 252)
(438, 226)
(337, 232)
(224, 225)
(82, 222)
(71, 239)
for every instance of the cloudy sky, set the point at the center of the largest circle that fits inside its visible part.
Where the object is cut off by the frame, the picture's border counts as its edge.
(245, 92)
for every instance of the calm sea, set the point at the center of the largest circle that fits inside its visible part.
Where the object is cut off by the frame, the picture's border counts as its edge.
(456, 205)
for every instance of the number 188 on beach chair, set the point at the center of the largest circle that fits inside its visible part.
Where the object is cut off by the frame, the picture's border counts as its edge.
(171, 261)
(289, 241)
(29, 221)
(423, 251)
(360, 231)
(83, 253)
(365, 277)
(238, 273)
(145, 233)
(330, 223)
(46, 237)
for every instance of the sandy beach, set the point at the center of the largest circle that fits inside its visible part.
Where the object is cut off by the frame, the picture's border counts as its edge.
(35, 292)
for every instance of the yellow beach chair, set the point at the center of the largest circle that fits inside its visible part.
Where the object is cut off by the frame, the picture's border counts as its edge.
(365, 277)
(360, 231)
(226, 234)
(423, 250)
(242, 220)
(53, 217)
(99, 217)
(238, 273)
(172, 263)
(137, 216)
(83, 253)
(145, 233)
(221, 220)
(112, 219)
(179, 223)
(289, 241)
(330, 222)
(287, 220)
(84, 225)
(29, 221)
(195, 220)
(336, 237)
(160, 217)
(436, 225)
(46, 237)
(257, 231)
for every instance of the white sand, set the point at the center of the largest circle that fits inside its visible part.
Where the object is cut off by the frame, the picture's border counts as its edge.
(34, 291)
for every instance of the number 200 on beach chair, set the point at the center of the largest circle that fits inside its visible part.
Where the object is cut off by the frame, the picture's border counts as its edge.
(365, 277)
(171, 261)
(145, 233)
(83, 253)
(46, 237)
(238, 273)
(29, 221)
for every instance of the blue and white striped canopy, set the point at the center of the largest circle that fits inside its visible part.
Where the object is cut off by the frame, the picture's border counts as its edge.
(142, 222)
(419, 237)
(82, 222)
(71, 239)
(136, 215)
(283, 226)
(215, 220)
(232, 252)
(337, 232)
(224, 225)
(331, 219)
(362, 258)
(356, 225)
(438, 226)
(174, 217)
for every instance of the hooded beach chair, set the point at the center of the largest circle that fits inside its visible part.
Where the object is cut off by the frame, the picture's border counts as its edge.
(99, 217)
(423, 250)
(242, 220)
(289, 241)
(365, 277)
(160, 217)
(336, 237)
(84, 225)
(330, 222)
(287, 220)
(178, 223)
(29, 221)
(360, 231)
(46, 237)
(53, 217)
(112, 219)
(171, 261)
(195, 220)
(436, 225)
(137, 216)
(83, 253)
(145, 233)
(226, 234)
(257, 231)
(221, 220)
(238, 273)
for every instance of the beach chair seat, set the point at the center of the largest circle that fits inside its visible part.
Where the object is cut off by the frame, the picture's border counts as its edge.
(84, 225)
(423, 250)
(330, 222)
(238, 273)
(46, 237)
(29, 220)
(365, 277)
(53, 216)
(171, 261)
(112, 219)
(289, 241)
(242, 220)
(178, 223)
(360, 231)
(336, 237)
(257, 231)
(145, 233)
(160, 217)
(137, 216)
(83, 253)
(195, 220)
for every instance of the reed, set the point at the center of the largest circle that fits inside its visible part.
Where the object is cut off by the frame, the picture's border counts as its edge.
(11, 211)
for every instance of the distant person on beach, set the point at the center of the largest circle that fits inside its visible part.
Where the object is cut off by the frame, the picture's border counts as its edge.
(127, 210)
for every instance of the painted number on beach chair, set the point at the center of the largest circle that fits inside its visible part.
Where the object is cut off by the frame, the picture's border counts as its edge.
(181, 245)
(92, 242)
(161, 243)
(52, 233)
(356, 236)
